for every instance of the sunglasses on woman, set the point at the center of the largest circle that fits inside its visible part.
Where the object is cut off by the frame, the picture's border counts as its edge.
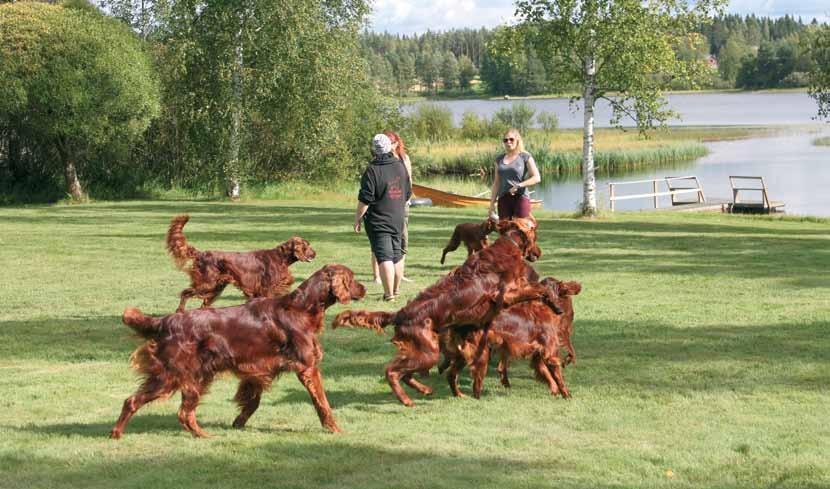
(507, 140)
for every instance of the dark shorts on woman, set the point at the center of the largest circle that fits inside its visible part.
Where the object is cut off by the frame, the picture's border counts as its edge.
(511, 206)
(385, 246)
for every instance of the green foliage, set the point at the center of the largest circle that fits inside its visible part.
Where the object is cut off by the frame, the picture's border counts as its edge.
(59, 119)
(548, 121)
(472, 126)
(518, 115)
(819, 48)
(430, 122)
(290, 73)
(466, 72)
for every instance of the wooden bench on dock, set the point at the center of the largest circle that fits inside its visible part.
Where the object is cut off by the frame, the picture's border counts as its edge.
(755, 185)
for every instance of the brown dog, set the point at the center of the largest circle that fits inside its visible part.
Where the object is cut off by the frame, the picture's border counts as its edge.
(256, 341)
(473, 294)
(472, 234)
(261, 273)
(527, 330)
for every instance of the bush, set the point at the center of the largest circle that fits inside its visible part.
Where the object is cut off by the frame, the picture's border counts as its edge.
(548, 121)
(518, 115)
(473, 126)
(431, 122)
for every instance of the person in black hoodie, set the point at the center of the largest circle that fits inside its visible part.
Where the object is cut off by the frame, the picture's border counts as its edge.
(384, 189)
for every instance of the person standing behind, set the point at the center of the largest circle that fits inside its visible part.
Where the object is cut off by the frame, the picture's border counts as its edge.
(515, 171)
(384, 190)
(399, 148)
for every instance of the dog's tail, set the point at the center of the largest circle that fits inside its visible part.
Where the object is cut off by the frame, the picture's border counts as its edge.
(145, 326)
(364, 319)
(177, 244)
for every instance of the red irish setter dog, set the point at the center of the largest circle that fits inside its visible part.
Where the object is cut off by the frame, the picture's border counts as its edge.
(472, 294)
(472, 234)
(527, 330)
(256, 341)
(261, 273)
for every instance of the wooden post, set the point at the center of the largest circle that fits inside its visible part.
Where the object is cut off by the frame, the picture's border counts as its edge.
(656, 198)
(611, 192)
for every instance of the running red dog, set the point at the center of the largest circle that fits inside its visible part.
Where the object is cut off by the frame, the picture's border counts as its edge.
(256, 341)
(261, 273)
(472, 234)
(472, 294)
(527, 330)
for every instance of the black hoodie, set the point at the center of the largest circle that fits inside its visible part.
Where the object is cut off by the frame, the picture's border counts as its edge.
(385, 188)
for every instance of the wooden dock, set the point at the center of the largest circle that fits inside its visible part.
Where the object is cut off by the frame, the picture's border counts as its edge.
(680, 188)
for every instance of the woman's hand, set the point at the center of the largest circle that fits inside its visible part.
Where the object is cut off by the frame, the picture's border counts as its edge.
(357, 226)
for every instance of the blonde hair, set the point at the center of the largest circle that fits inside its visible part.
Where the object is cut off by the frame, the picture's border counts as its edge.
(520, 144)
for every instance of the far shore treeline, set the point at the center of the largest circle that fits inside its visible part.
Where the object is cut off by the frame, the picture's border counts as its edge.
(133, 98)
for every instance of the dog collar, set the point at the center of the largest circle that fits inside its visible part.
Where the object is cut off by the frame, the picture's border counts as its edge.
(512, 241)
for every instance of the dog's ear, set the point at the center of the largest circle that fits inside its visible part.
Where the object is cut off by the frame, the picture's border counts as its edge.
(570, 288)
(340, 286)
(505, 225)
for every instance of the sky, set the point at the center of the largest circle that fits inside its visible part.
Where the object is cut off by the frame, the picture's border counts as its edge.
(418, 16)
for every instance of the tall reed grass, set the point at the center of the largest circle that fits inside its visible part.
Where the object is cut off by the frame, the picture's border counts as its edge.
(825, 141)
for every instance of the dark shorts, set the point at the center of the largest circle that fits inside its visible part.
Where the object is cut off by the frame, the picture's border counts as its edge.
(513, 206)
(386, 246)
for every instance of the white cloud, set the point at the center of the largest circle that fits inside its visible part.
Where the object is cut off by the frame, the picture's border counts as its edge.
(418, 16)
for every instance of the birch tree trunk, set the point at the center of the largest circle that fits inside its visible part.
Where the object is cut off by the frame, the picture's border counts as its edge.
(589, 182)
(232, 165)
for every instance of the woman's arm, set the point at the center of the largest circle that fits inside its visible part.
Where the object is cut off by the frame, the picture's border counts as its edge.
(495, 189)
(534, 177)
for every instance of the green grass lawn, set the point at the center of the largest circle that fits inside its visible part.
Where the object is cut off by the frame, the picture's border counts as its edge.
(703, 346)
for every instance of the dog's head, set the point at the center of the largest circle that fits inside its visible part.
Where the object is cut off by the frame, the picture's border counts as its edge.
(330, 284)
(522, 231)
(489, 225)
(563, 291)
(343, 287)
(301, 249)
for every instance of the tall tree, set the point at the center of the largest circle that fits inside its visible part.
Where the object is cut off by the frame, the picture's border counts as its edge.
(820, 70)
(466, 72)
(47, 101)
(619, 46)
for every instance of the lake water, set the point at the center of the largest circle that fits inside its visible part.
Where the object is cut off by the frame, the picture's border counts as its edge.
(796, 171)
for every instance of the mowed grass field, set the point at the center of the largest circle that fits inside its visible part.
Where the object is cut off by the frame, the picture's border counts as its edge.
(703, 348)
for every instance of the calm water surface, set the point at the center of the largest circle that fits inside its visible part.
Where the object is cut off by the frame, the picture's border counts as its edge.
(796, 171)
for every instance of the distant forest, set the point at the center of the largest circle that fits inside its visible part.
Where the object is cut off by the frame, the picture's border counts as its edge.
(743, 52)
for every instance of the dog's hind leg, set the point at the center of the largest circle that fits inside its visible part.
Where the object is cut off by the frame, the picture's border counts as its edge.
(543, 373)
(152, 389)
(247, 396)
(418, 386)
(555, 366)
(418, 352)
(453, 245)
(186, 295)
(210, 296)
(478, 369)
(455, 368)
(504, 364)
(187, 412)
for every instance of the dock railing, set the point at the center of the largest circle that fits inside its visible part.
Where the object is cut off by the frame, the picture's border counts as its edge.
(673, 188)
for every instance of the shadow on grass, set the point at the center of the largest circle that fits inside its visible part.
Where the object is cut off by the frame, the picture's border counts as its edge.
(652, 357)
(286, 462)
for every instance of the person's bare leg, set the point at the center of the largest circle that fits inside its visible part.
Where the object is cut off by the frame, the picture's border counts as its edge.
(387, 277)
(375, 270)
(398, 276)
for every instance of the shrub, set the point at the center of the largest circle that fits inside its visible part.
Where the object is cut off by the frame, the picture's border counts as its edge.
(431, 122)
(473, 126)
(518, 115)
(548, 121)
